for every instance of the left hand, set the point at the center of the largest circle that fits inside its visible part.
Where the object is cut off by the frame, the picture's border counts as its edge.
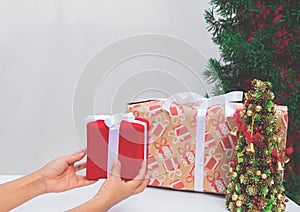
(60, 174)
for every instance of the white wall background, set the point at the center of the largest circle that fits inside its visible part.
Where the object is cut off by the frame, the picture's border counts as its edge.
(43, 47)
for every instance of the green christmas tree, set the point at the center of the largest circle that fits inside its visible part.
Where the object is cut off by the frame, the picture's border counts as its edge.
(257, 177)
(260, 39)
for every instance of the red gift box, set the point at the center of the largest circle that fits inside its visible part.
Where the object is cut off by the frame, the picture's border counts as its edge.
(115, 137)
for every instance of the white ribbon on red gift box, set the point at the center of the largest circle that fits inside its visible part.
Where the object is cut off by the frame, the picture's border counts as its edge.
(190, 97)
(113, 122)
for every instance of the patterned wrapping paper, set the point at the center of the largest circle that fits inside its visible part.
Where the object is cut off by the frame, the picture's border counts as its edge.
(172, 149)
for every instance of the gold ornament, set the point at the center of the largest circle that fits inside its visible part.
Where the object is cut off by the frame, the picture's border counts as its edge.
(242, 179)
(250, 148)
(235, 197)
(279, 196)
(258, 108)
(280, 166)
(258, 172)
(230, 169)
(234, 174)
(250, 106)
(272, 96)
(264, 176)
(251, 190)
(231, 206)
(279, 139)
(282, 206)
(286, 159)
(258, 83)
(234, 131)
(270, 181)
(241, 197)
(239, 203)
(249, 113)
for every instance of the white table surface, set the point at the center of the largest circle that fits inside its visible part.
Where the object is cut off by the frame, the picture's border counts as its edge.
(152, 199)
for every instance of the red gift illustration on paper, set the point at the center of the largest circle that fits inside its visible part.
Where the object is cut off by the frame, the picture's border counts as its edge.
(177, 184)
(228, 143)
(156, 179)
(179, 133)
(158, 127)
(176, 173)
(212, 159)
(190, 177)
(175, 112)
(220, 126)
(155, 109)
(163, 148)
(187, 154)
(152, 163)
(214, 109)
(150, 107)
(209, 140)
(171, 164)
(216, 182)
(193, 123)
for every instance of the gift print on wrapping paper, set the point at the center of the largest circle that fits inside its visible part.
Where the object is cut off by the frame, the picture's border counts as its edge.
(177, 184)
(152, 109)
(164, 150)
(225, 167)
(171, 164)
(176, 114)
(217, 184)
(190, 177)
(158, 128)
(228, 143)
(187, 154)
(214, 109)
(179, 133)
(220, 126)
(281, 112)
(175, 174)
(212, 159)
(157, 179)
(209, 140)
(193, 122)
(152, 163)
(139, 107)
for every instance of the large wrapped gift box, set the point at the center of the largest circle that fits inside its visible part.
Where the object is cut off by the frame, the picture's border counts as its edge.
(119, 137)
(190, 146)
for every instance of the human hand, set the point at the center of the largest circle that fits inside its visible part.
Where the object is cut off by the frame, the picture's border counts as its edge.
(60, 174)
(114, 189)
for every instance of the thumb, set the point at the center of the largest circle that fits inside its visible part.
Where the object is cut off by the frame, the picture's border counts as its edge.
(116, 169)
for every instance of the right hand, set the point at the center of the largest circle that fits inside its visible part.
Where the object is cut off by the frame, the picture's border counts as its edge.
(114, 189)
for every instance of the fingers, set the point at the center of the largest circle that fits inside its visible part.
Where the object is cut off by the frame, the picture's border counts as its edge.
(76, 156)
(143, 171)
(82, 181)
(140, 177)
(141, 187)
(80, 166)
(116, 169)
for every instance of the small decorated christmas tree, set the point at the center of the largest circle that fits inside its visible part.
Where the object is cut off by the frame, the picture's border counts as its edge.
(257, 177)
